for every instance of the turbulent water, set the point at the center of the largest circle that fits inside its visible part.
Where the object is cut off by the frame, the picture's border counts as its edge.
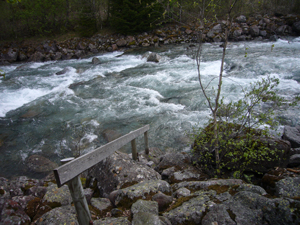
(53, 115)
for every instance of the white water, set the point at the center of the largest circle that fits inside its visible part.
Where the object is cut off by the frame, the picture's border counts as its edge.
(42, 114)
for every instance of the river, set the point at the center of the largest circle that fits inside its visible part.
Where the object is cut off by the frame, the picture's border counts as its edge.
(53, 115)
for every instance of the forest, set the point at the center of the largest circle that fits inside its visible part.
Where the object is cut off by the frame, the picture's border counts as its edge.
(21, 19)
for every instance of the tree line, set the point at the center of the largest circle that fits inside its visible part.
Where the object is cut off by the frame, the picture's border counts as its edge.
(28, 18)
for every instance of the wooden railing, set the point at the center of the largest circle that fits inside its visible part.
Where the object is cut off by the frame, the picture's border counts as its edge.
(69, 172)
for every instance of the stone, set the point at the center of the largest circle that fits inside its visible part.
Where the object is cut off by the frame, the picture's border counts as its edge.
(294, 160)
(64, 71)
(114, 47)
(288, 187)
(296, 27)
(96, 61)
(273, 38)
(37, 57)
(263, 33)
(50, 46)
(177, 160)
(102, 205)
(60, 215)
(10, 54)
(241, 19)
(163, 201)
(204, 185)
(190, 212)
(56, 197)
(252, 188)
(13, 213)
(57, 56)
(218, 214)
(182, 192)
(40, 164)
(292, 134)
(120, 171)
(284, 29)
(142, 218)
(121, 43)
(19, 185)
(254, 31)
(188, 174)
(143, 190)
(154, 57)
(113, 221)
(144, 206)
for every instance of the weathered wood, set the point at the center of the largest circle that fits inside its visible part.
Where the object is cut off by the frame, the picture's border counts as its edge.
(72, 169)
(146, 143)
(79, 200)
(134, 152)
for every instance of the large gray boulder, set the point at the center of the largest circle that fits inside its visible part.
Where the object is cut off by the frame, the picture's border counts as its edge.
(143, 190)
(153, 57)
(112, 220)
(120, 171)
(296, 27)
(288, 187)
(292, 134)
(254, 31)
(56, 197)
(60, 215)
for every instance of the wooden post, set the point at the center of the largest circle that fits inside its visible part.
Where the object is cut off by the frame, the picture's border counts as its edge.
(79, 200)
(146, 143)
(133, 146)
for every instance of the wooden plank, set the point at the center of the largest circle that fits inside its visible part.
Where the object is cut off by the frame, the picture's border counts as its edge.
(72, 169)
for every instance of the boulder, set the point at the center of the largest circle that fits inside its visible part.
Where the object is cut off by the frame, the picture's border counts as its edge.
(190, 212)
(177, 160)
(60, 215)
(37, 57)
(40, 164)
(292, 134)
(241, 19)
(296, 27)
(102, 205)
(96, 61)
(112, 220)
(13, 213)
(18, 185)
(10, 54)
(182, 192)
(120, 171)
(153, 57)
(254, 31)
(144, 206)
(288, 187)
(142, 218)
(284, 29)
(50, 46)
(294, 160)
(206, 185)
(121, 43)
(56, 197)
(163, 201)
(143, 190)
(214, 31)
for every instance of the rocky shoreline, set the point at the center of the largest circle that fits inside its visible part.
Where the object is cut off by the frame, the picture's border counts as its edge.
(242, 29)
(159, 188)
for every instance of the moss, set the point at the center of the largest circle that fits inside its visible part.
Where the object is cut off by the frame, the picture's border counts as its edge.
(219, 188)
(180, 201)
(128, 184)
(2, 191)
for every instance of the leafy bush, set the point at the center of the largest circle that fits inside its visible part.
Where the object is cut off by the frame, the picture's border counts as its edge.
(241, 144)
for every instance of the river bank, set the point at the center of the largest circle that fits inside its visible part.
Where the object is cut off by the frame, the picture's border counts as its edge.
(159, 188)
(242, 29)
